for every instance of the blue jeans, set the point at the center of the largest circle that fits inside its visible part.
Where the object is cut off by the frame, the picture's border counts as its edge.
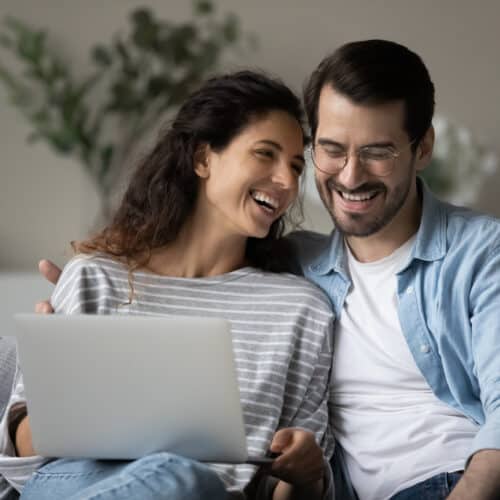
(435, 488)
(154, 477)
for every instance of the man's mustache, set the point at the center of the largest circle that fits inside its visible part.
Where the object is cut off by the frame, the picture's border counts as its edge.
(364, 188)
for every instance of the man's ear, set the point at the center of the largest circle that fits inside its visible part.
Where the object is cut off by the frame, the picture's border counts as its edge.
(424, 150)
(202, 161)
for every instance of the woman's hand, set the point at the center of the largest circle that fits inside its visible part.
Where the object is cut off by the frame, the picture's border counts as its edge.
(300, 464)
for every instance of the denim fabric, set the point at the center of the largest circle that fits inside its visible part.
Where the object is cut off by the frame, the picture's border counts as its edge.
(434, 488)
(154, 477)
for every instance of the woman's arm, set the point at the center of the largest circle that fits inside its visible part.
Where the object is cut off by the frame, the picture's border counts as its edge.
(22, 438)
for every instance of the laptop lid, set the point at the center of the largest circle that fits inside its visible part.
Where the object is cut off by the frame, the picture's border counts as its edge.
(120, 387)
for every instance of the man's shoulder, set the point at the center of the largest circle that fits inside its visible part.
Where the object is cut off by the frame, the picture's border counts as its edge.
(467, 227)
(308, 247)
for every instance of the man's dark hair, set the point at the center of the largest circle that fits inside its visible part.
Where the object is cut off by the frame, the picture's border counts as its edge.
(374, 72)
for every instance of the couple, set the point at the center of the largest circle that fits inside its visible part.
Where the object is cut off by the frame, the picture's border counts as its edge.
(414, 286)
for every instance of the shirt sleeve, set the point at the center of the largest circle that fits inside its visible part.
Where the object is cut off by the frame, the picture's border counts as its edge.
(312, 412)
(485, 322)
(73, 293)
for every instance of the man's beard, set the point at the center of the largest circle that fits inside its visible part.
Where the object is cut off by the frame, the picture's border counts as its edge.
(362, 225)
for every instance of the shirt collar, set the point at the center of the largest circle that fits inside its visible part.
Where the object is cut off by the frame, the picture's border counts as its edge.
(332, 257)
(430, 243)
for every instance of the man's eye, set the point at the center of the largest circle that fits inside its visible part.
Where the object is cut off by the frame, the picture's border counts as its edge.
(376, 154)
(334, 153)
(298, 168)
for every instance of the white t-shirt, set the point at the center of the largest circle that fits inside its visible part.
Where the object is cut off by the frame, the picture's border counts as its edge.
(394, 430)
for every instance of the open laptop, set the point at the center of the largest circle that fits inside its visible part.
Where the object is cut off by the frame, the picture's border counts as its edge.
(121, 387)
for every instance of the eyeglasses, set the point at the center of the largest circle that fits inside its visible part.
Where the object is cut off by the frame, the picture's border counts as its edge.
(330, 158)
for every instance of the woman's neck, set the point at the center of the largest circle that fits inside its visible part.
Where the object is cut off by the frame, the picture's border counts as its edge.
(197, 252)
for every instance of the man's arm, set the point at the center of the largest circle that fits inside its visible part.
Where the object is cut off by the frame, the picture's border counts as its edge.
(481, 479)
(51, 273)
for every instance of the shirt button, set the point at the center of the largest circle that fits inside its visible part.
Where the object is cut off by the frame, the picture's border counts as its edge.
(409, 290)
(425, 349)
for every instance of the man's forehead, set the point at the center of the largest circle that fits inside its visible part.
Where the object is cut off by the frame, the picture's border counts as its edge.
(337, 113)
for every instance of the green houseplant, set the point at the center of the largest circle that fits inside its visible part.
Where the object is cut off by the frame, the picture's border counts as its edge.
(132, 83)
(460, 164)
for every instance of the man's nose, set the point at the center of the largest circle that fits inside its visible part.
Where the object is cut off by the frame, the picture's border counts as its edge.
(352, 175)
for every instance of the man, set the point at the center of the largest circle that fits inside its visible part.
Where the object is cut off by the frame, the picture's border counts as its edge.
(415, 285)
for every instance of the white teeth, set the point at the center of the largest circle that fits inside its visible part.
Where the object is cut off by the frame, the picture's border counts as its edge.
(265, 198)
(358, 197)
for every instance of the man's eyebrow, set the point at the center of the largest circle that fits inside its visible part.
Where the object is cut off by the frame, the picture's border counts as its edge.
(330, 142)
(279, 148)
(378, 144)
(384, 144)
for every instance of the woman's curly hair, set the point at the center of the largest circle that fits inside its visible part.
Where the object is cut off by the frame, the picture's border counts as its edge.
(163, 190)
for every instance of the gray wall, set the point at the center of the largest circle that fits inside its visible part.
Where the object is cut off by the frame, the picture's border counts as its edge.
(45, 200)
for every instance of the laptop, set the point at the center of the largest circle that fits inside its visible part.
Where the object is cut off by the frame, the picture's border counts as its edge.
(121, 387)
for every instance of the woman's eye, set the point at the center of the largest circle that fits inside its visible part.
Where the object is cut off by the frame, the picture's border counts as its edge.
(298, 168)
(264, 153)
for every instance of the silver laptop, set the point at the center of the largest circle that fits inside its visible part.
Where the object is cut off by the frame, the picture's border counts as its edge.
(120, 387)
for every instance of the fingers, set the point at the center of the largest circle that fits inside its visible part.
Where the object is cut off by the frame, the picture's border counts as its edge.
(49, 271)
(301, 460)
(281, 440)
(43, 307)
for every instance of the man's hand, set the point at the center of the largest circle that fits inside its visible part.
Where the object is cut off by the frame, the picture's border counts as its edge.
(300, 464)
(51, 273)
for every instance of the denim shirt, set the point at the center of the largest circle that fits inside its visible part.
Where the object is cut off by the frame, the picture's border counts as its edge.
(448, 304)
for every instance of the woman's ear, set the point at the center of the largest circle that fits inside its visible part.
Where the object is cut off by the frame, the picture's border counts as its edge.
(202, 161)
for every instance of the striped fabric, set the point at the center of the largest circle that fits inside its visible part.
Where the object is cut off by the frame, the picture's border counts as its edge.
(281, 326)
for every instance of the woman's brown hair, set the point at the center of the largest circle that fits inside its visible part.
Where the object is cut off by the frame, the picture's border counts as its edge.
(163, 190)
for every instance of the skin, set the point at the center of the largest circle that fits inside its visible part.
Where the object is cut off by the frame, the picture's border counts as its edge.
(376, 228)
(266, 157)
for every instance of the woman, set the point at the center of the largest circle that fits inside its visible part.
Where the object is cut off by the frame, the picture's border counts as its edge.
(196, 232)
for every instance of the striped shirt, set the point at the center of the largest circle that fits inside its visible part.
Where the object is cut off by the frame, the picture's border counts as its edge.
(282, 338)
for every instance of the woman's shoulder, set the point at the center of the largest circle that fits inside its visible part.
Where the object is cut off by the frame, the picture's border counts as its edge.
(85, 279)
(291, 284)
(93, 263)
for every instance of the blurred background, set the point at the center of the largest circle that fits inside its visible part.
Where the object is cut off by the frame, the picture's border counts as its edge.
(48, 198)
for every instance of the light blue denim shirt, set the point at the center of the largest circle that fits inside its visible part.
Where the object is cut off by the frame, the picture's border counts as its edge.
(448, 305)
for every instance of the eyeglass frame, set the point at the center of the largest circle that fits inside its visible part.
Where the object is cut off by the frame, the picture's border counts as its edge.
(395, 153)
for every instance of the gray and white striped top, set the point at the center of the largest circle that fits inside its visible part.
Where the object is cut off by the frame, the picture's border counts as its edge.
(282, 338)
